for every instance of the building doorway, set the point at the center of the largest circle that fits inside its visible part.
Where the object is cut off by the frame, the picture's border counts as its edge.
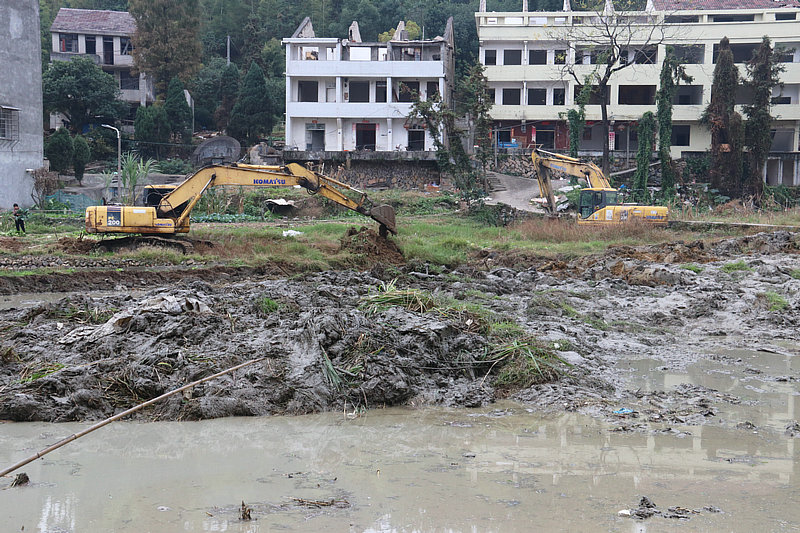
(315, 137)
(366, 136)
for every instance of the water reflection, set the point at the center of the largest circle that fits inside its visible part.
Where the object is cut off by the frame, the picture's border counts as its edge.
(398, 470)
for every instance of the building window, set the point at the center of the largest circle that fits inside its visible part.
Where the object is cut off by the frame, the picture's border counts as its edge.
(742, 52)
(416, 139)
(490, 95)
(9, 124)
(432, 89)
(637, 94)
(407, 91)
(537, 96)
(594, 95)
(559, 96)
(125, 46)
(691, 54)
(68, 42)
(537, 57)
(645, 56)
(680, 135)
(511, 96)
(681, 19)
(785, 16)
(359, 91)
(560, 57)
(127, 82)
(688, 95)
(380, 91)
(307, 91)
(512, 57)
(490, 57)
(91, 44)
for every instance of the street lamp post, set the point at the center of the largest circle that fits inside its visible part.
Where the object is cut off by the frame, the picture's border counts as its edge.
(119, 147)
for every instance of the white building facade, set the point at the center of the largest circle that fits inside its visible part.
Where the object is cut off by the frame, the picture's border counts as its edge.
(104, 36)
(526, 55)
(347, 95)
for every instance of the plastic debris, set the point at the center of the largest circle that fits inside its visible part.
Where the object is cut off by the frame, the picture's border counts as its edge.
(623, 411)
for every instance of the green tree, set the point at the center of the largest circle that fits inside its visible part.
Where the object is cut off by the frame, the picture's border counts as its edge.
(166, 42)
(646, 135)
(80, 156)
(672, 73)
(81, 91)
(152, 130)
(576, 118)
(178, 112)
(205, 89)
(763, 75)
(413, 29)
(252, 116)
(726, 125)
(59, 150)
(273, 58)
(229, 90)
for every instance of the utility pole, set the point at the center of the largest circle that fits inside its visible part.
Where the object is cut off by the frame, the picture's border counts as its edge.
(228, 55)
(119, 147)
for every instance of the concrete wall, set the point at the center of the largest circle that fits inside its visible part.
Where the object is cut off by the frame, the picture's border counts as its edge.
(21, 89)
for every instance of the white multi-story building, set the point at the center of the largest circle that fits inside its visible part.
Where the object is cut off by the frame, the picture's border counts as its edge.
(104, 36)
(349, 95)
(527, 53)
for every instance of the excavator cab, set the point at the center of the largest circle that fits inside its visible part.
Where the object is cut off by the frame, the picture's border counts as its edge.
(592, 200)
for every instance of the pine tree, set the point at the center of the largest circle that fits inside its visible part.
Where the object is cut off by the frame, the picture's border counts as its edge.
(251, 117)
(725, 124)
(476, 91)
(59, 150)
(646, 135)
(763, 74)
(81, 155)
(152, 130)
(166, 42)
(672, 73)
(229, 90)
(178, 112)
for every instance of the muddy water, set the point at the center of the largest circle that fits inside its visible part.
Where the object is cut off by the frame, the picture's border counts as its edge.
(499, 469)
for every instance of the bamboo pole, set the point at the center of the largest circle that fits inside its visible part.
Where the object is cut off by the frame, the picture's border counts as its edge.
(107, 421)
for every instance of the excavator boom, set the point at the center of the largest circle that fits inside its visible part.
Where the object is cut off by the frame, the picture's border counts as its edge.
(171, 214)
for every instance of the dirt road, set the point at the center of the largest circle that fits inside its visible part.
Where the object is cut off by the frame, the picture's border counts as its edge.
(512, 190)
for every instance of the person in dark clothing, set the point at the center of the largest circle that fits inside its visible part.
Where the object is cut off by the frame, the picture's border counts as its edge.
(19, 218)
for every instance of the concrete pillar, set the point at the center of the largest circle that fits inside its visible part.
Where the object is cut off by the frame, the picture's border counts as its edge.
(389, 137)
(389, 90)
(339, 94)
(339, 135)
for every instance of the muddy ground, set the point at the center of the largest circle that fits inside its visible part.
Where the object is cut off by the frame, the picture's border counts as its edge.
(89, 356)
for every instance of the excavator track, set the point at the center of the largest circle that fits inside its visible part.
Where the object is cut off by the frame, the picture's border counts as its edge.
(132, 242)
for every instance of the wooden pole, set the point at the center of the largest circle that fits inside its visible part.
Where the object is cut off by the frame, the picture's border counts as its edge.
(107, 421)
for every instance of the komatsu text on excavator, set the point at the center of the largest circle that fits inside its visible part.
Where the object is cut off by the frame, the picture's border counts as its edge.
(600, 203)
(169, 214)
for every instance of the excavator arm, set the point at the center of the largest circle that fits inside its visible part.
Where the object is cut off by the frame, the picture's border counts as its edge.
(171, 215)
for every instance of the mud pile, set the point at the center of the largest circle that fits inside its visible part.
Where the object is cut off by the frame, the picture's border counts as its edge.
(86, 358)
(372, 246)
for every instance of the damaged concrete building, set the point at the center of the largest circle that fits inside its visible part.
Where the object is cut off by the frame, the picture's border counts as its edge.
(527, 55)
(346, 95)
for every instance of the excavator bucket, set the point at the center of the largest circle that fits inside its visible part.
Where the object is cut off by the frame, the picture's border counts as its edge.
(384, 215)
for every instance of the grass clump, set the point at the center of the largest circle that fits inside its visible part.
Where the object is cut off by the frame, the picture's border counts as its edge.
(795, 273)
(736, 266)
(32, 372)
(266, 306)
(692, 268)
(525, 362)
(775, 302)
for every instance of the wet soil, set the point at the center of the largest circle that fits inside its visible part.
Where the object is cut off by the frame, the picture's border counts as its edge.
(88, 357)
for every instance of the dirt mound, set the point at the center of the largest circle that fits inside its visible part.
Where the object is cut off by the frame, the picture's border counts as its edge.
(366, 242)
(11, 244)
(71, 245)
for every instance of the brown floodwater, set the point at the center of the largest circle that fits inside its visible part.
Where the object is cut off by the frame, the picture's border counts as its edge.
(503, 468)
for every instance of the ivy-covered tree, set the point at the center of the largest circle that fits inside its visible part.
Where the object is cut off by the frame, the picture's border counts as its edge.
(646, 135)
(80, 156)
(725, 123)
(80, 91)
(672, 73)
(178, 112)
(152, 130)
(252, 116)
(166, 42)
(478, 103)
(59, 150)
(576, 118)
(763, 74)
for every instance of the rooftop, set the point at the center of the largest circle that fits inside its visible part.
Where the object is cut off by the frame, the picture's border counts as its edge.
(93, 21)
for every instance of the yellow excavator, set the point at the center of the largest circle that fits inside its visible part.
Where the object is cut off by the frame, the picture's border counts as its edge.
(599, 203)
(168, 213)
